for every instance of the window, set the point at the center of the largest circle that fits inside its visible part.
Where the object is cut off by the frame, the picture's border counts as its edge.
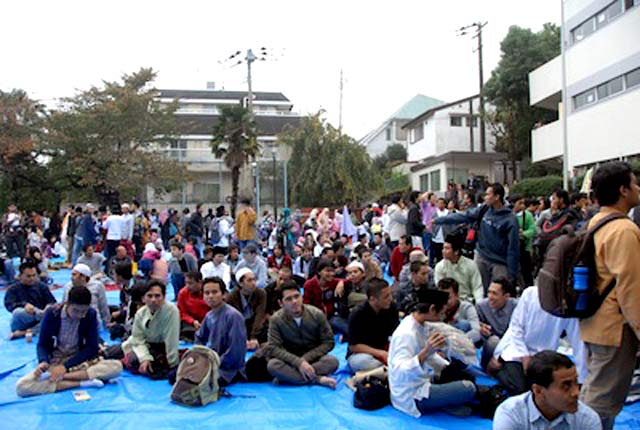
(583, 30)
(585, 98)
(418, 133)
(456, 121)
(633, 78)
(177, 150)
(435, 180)
(459, 176)
(388, 134)
(613, 10)
(472, 121)
(205, 193)
(610, 88)
(424, 182)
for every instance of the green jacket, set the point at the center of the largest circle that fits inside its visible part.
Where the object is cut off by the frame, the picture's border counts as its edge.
(529, 228)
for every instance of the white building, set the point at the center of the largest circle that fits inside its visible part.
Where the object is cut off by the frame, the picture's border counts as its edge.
(603, 85)
(444, 142)
(391, 131)
(208, 179)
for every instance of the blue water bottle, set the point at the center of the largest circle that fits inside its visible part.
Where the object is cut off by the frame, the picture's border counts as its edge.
(580, 286)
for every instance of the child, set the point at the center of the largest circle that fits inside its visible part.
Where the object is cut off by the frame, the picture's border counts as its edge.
(149, 256)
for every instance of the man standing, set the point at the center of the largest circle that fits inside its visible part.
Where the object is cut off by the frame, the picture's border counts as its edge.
(299, 339)
(611, 334)
(114, 225)
(498, 247)
(428, 209)
(27, 300)
(13, 232)
(85, 233)
(246, 224)
(397, 220)
(68, 349)
(370, 326)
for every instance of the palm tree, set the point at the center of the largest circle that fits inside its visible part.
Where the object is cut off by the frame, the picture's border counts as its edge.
(234, 138)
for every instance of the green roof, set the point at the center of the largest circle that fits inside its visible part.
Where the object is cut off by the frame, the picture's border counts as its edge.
(416, 106)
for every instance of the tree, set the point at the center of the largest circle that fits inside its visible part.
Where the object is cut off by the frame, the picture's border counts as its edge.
(23, 176)
(396, 153)
(513, 118)
(235, 139)
(108, 141)
(327, 168)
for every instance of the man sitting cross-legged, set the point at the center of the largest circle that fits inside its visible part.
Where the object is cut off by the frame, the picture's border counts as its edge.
(299, 339)
(68, 349)
(370, 326)
(551, 403)
(152, 348)
(223, 330)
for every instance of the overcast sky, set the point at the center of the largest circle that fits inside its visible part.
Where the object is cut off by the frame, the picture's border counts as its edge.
(389, 51)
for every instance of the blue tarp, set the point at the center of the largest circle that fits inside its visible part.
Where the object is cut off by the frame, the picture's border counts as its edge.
(135, 402)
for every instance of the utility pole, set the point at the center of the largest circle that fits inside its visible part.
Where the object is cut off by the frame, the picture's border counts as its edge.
(341, 89)
(565, 104)
(250, 58)
(478, 26)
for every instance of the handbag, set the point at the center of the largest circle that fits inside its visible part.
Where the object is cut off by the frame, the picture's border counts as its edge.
(372, 393)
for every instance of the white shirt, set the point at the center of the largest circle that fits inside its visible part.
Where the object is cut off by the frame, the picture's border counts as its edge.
(532, 330)
(127, 226)
(222, 271)
(408, 379)
(225, 230)
(114, 226)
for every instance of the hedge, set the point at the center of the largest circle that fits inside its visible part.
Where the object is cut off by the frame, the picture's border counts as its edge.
(535, 187)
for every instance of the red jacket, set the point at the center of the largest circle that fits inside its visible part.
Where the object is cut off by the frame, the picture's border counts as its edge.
(192, 307)
(273, 264)
(321, 299)
(398, 259)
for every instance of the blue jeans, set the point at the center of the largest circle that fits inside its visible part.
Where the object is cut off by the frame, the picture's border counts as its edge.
(177, 280)
(361, 361)
(463, 325)
(243, 243)
(426, 242)
(340, 325)
(447, 395)
(78, 243)
(22, 320)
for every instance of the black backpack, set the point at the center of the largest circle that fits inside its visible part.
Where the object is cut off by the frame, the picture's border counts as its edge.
(372, 393)
(555, 279)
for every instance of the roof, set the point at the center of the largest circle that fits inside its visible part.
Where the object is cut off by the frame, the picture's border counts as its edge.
(428, 112)
(476, 155)
(221, 95)
(416, 106)
(265, 124)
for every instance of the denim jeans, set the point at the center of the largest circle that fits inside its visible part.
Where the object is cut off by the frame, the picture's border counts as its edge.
(361, 361)
(78, 243)
(446, 395)
(22, 320)
(340, 325)
(426, 242)
(243, 243)
(463, 325)
(177, 280)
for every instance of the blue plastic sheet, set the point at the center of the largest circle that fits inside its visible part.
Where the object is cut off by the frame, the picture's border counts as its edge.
(135, 402)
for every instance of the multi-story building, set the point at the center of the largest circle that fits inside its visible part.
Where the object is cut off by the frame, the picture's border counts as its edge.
(391, 131)
(602, 58)
(208, 179)
(444, 144)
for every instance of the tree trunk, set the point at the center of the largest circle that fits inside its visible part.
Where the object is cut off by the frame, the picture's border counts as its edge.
(235, 179)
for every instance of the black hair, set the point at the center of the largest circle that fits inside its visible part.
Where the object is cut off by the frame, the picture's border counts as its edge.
(608, 179)
(471, 196)
(532, 202)
(250, 248)
(79, 296)
(196, 276)
(498, 190)
(406, 238)
(323, 264)
(208, 250)
(505, 284)
(86, 246)
(245, 201)
(446, 283)
(395, 199)
(415, 266)
(177, 244)
(428, 297)
(124, 270)
(513, 198)
(215, 280)
(543, 364)
(287, 285)
(337, 245)
(29, 263)
(374, 287)
(234, 246)
(413, 196)
(155, 283)
(562, 195)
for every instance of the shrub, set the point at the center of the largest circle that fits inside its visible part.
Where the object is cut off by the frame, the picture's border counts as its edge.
(535, 187)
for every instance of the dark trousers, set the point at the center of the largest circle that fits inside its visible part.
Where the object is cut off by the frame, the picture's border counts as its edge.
(512, 378)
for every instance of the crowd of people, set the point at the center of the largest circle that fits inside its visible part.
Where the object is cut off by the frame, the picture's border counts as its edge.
(460, 277)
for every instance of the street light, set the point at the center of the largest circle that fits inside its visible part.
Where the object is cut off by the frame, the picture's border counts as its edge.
(256, 173)
(275, 199)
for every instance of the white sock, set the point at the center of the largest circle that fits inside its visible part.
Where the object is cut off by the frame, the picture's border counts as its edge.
(95, 383)
(45, 375)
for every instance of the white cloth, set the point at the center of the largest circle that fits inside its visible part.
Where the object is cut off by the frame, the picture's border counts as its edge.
(532, 330)
(114, 225)
(397, 222)
(127, 226)
(225, 230)
(408, 379)
(222, 271)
